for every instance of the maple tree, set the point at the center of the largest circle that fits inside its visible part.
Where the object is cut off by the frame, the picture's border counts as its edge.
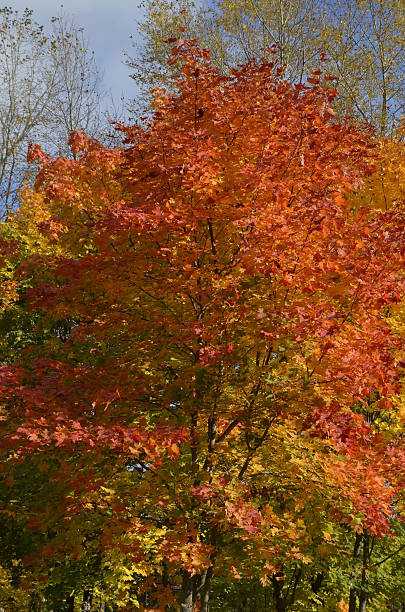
(207, 339)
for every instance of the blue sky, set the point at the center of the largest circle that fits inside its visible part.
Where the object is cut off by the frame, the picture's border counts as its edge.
(108, 25)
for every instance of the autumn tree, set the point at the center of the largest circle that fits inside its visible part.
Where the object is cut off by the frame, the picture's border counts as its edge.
(364, 45)
(77, 100)
(360, 42)
(50, 85)
(211, 334)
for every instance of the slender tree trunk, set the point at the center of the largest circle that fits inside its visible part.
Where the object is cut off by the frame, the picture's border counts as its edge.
(353, 590)
(316, 583)
(362, 602)
(33, 605)
(297, 577)
(278, 593)
(187, 593)
(363, 597)
(87, 601)
(352, 600)
(70, 603)
(205, 590)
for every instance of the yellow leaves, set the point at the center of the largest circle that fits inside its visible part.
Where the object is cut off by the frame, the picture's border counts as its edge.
(264, 579)
(386, 187)
(173, 451)
(108, 494)
(396, 322)
(399, 403)
(10, 597)
(133, 554)
(8, 291)
(196, 556)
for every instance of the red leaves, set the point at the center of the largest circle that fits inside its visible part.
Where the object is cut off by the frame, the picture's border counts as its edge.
(213, 293)
(78, 142)
(287, 280)
(244, 515)
(36, 154)
(203, 492)
(212, 355)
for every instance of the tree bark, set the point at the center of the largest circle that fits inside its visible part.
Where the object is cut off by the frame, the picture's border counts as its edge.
(362, 602)
(205, 590)
(363, 597)
(87, 601)
(33, 605)
(354, 590)
(316, 583)
(278, 593)
(70, 603)
(187, 593)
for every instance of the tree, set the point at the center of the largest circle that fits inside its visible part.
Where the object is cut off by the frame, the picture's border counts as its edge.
(50, 85)
(281, 29)
(164, 21)
(364, 45)
(78, 98)
(27, 81)
(360, 42)
(213, 293)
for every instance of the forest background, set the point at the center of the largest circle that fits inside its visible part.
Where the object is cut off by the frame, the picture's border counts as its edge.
(279, 486)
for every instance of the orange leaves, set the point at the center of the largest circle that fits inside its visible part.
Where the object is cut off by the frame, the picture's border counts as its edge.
(339, 199)
(35, 153)
(78, 142)
(287, 280)
(212, 296)
(194, 556)
(173, 451)
(244, 515)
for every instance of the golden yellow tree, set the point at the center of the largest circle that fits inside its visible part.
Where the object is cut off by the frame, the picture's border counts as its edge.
(360, 41)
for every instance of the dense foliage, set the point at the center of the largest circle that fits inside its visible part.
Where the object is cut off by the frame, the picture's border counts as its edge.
(201, 357)
(359, 41)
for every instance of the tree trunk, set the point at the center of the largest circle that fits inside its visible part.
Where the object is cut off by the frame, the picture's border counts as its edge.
(70, 603)
(278, 593)
(87, 601)
(205, 590)
(352, 600)
(354, 590)
(187, 593)
(362, 602)
(316, 583)
(363, 597)
(297, 577)
(33, 605)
